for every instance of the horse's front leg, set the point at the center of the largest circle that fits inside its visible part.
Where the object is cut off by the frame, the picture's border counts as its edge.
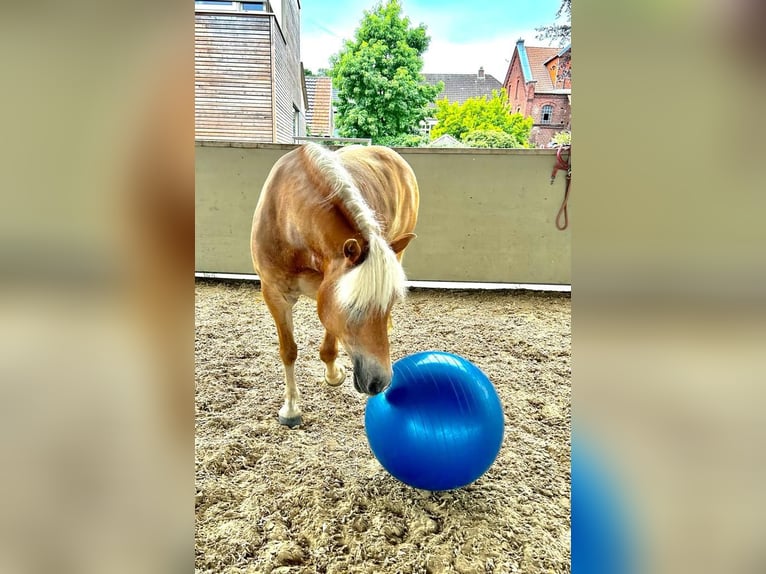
(328, 352)
(281, 308)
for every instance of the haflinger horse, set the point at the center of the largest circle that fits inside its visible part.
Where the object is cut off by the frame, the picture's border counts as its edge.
(334, 226)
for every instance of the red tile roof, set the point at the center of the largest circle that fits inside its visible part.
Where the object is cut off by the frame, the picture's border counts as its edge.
(537, 57)
(319, 112)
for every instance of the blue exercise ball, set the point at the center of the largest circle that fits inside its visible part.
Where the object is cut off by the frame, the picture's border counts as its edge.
(603, 539)
(439, 425)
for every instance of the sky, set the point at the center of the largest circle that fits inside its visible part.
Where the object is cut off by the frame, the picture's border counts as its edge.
(464, 35)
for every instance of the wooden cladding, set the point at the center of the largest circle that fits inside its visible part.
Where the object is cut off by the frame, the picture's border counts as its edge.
(233, 67)
(288, 90)
(247, 76)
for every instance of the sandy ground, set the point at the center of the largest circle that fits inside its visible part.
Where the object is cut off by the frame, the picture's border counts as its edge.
(314, 499)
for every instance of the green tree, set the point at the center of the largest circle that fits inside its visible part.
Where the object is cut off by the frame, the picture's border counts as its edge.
(404, 140)
(490, 138)
(381, 93)
(562, 138)
(483, 114)
(320, 72)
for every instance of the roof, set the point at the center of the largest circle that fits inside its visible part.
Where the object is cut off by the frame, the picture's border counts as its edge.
(526, 71)
(319, 110)
(446, 140)
(560, 53)
(537, 58)
(532, 60)
(459, 87)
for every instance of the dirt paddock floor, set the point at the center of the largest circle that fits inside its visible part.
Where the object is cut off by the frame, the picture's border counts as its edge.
(314, 499)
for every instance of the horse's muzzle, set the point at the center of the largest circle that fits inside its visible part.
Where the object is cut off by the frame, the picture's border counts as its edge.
(369, 377)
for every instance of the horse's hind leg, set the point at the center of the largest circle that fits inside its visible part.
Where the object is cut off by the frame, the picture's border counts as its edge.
(281, 308)
(328, 352)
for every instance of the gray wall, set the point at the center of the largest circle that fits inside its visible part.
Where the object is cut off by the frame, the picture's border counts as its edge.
(485, 215)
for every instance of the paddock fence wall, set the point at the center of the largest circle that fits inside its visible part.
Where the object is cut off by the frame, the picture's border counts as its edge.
(485, 215)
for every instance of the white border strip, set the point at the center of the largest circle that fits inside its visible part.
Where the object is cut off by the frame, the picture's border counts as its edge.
(422, 284)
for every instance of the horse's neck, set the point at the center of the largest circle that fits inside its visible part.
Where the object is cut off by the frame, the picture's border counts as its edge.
(322, 237)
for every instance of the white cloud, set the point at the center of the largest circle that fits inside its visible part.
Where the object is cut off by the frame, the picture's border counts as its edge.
(316, 49)
(444, 57)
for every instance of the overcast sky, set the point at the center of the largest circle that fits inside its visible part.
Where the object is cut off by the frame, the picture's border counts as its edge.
(464, 34)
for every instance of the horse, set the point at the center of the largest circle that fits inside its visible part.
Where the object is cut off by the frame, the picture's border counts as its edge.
(333, 226)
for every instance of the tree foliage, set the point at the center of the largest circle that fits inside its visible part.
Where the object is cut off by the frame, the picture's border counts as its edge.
(562, 138)
(559, 32)
(490, 138)
(482, 114)
(381, 93)
(403, 140)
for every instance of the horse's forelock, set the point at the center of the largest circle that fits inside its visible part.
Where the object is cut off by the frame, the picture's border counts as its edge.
(378, 279)
(372, 285)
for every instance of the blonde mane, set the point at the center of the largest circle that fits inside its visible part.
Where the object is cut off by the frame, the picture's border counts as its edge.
(375, 283)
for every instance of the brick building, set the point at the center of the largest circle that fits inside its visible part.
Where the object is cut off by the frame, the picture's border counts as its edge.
(538, 83)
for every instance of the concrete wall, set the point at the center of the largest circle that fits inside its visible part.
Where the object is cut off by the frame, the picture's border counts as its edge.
(485, 215)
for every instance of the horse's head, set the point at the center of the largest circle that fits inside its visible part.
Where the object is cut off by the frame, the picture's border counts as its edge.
(355, 300)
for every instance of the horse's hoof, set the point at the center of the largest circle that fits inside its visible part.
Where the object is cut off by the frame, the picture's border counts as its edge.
(339, 381)
(291, 422)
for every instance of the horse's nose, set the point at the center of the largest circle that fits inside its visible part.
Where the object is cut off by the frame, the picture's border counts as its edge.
(377, 385)
(369, 377)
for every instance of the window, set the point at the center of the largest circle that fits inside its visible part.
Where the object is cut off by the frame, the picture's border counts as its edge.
(215, 4)
(233, 6)
(296, 122)
(547, 114)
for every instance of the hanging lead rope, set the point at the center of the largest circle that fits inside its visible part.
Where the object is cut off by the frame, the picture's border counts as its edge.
(563, 162)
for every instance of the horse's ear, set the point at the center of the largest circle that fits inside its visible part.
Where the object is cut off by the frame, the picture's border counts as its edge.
(352, 250)
(401, 242)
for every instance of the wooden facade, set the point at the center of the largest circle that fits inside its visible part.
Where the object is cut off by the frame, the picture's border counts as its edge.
(288, 80)
(248, 81)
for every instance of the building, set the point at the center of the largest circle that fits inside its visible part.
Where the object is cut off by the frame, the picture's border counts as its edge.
(319, 110)
(458, 88)
(248, 80)
(446, 140)
(538, 83)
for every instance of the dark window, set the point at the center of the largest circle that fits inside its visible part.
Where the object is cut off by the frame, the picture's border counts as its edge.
(214, 3)
(254, 6)
(547, 114)
(296, 122)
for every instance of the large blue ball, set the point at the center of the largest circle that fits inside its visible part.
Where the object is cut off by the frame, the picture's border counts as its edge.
(439, 425)
(603, 537)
